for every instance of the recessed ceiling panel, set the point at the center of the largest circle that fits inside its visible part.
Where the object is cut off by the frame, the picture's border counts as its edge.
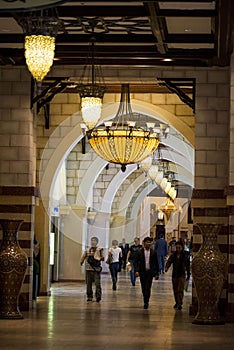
(183, 5)
(190, 25)
(191, 46)
(9, 25)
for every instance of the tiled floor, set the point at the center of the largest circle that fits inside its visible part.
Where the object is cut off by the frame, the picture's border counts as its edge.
(66, 321)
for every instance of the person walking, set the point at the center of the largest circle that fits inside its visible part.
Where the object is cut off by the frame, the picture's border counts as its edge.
(132, 253)
(115, 253)
(161, 247)
(146, 266)
(181, 267)
(125, 249)
(92, 258)
(172, 245)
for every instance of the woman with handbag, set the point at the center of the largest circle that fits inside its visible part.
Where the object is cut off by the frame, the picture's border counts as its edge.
(116, 253)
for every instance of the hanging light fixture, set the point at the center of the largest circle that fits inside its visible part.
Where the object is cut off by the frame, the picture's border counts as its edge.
(172, 193)
(168, 208)
(146, 164)
(153, 171)
(91, 87)
(40, 32)
(168, 187)
(163, 183)
(159, 177)
(122, 140)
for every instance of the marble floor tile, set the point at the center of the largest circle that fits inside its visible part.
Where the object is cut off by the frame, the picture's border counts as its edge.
(66, 321)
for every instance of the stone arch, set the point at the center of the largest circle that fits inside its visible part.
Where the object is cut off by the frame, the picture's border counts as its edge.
(69, 133)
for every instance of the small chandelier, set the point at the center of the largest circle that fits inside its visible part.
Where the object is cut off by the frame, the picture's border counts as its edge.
(121, 141)
(146, 164)
(90, 90)
(153, 171)
(40, 32)
(168, 208)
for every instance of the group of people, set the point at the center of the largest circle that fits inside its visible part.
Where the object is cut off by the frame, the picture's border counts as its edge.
(146, 262)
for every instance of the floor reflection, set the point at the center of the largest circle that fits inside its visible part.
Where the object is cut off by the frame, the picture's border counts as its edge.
(66, 320)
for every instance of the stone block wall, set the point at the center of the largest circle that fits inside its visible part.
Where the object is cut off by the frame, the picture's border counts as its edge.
(18, 195)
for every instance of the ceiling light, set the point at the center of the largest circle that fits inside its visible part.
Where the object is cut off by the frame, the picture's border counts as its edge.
(146, 164)
(39, 54)
(153, 171)
(123, 142)
(91, 88)
(40, 32)
(168, 208)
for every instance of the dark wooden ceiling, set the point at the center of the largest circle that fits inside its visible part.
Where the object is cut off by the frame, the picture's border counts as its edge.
(132, 33)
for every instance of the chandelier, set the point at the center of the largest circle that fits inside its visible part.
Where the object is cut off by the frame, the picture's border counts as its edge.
(122, 141)
(90, 90)
(40, 32)
(146, 164)
(168, 208)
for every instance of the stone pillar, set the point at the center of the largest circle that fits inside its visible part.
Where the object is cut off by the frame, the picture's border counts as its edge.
(211, 162)
(18, 195)
(42, 229)
(230, 204)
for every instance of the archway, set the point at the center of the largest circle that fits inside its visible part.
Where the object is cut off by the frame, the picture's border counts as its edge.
(69, 133)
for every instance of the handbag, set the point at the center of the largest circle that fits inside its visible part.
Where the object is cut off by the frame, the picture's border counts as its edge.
(95, 264)
(129, 267)
(109, 259)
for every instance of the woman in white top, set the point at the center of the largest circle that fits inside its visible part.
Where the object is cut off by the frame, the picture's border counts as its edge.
(116, 254)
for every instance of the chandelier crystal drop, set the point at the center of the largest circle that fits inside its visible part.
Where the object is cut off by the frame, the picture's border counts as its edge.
(122, 140)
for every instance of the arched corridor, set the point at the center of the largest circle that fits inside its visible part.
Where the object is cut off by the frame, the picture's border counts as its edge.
(66, 321)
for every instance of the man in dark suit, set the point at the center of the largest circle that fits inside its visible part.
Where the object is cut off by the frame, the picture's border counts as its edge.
(125, 248)
(146, 266)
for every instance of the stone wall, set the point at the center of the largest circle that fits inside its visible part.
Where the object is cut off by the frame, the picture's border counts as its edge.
(18, 194)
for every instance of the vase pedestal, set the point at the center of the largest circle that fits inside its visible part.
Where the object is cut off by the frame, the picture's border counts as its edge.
(209, 270)
(13, 265)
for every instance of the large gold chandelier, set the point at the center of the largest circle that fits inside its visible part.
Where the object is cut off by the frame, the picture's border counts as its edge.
(122, 141)
(40, 32)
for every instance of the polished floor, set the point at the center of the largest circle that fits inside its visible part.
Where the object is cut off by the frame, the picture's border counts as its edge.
(66, 321)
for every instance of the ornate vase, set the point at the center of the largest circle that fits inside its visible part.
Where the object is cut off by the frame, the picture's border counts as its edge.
(13, 265)
(209, 270)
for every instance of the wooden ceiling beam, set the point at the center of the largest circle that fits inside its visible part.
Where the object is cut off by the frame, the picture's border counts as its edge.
(224, 32)
(77, 39)
(156, 27)
(102, 11)
(186, 13)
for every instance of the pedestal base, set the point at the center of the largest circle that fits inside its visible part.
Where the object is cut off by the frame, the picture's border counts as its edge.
(207, 322)
(11, 315)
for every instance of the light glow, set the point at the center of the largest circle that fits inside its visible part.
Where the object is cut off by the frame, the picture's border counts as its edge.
(39, 54)
(91, 110)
